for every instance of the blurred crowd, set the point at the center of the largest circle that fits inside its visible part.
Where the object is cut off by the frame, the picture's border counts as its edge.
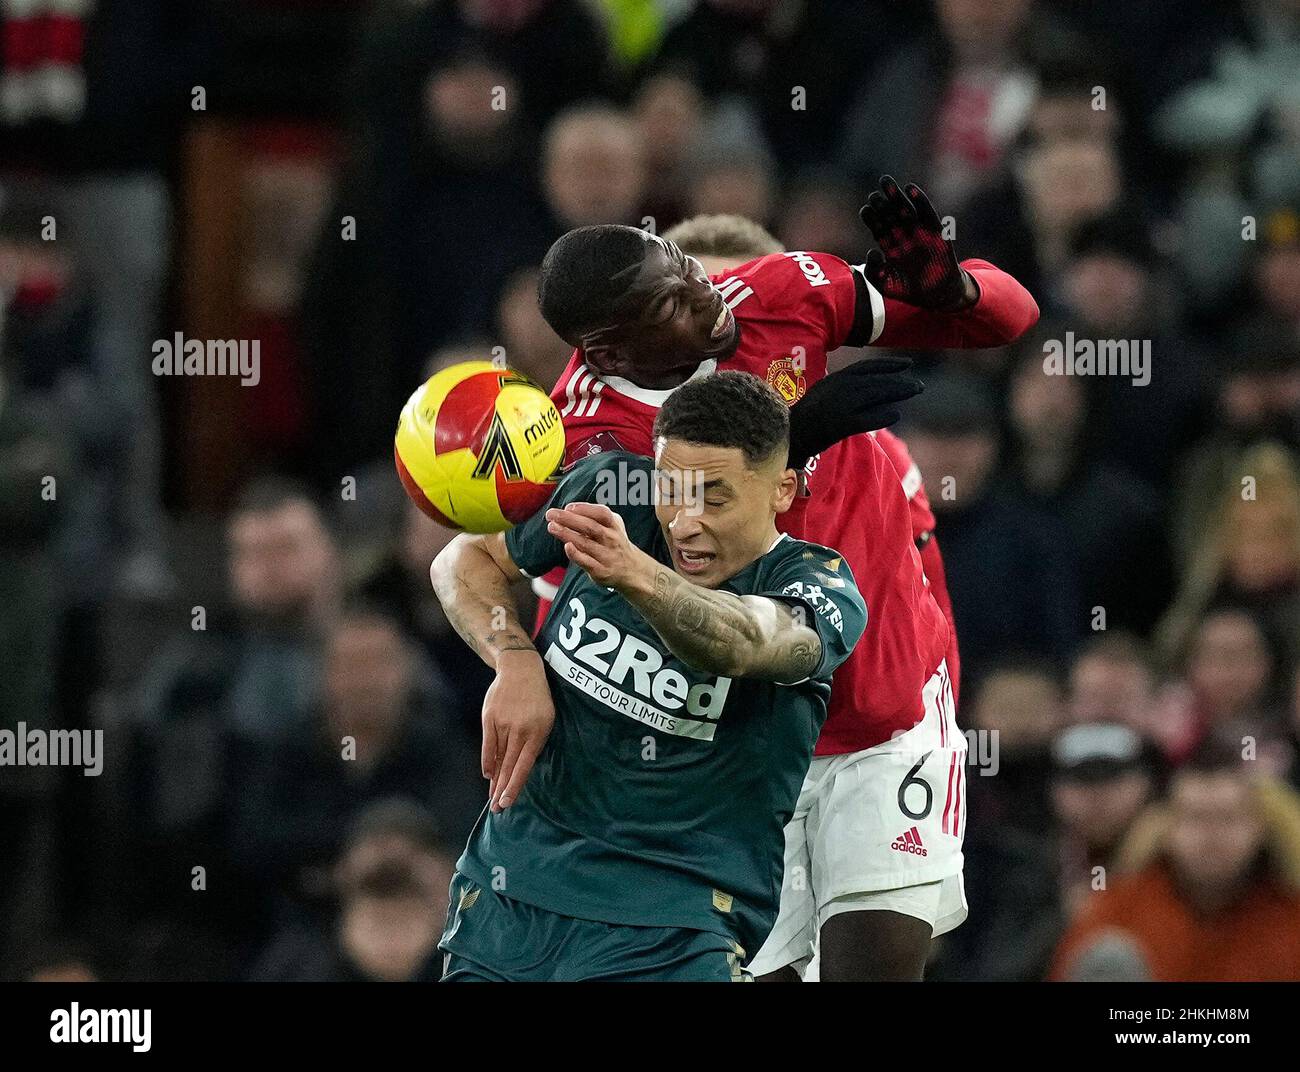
(289, 723)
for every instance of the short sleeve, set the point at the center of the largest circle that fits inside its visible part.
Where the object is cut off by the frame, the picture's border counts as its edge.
(820, 581)
(600, 478)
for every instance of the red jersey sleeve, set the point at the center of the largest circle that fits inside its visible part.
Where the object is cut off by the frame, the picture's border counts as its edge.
(815, 291)
(1004, 312)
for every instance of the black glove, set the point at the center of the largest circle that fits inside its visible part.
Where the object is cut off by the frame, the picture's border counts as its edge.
(859, 398)
(915, 263)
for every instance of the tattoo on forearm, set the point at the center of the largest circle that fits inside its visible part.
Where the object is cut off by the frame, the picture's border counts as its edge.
(716, 631)
(803, 657)
(471, 605)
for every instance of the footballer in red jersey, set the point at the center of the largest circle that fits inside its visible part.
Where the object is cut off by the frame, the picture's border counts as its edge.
(645, 318)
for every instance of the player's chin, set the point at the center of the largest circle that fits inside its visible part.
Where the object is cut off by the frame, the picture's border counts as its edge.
(717, 349)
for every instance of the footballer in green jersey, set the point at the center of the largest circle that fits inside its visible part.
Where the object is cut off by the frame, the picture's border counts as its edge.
(646, 750)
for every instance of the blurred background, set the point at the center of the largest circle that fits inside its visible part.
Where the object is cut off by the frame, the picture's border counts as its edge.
(228, 581)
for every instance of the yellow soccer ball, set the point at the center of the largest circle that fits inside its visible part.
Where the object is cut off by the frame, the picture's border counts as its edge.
(478, 447)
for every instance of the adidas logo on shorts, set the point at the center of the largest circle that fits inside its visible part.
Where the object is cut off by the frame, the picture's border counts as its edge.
(909, 841)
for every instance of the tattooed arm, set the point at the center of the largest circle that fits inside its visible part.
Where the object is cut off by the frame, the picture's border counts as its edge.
(738, 636)
(471, 577)
(719, 632)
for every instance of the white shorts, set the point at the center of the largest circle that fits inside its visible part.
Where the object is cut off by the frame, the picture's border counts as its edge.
(877, 830)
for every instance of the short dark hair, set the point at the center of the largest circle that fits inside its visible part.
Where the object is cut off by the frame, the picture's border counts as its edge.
(271, 491)
(396, 815)
(729, 409)
(583, 276)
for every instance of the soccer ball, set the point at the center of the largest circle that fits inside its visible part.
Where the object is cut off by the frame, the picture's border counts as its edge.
(478, 447)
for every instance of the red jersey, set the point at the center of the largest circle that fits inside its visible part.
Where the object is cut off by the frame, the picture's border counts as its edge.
(793, 308)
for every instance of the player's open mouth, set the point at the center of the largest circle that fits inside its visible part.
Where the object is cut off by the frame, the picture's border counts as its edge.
(692, 561)
(722, 325)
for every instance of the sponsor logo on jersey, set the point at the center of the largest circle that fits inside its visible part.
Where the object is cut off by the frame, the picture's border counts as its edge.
(812, 271)
(787, 380)
(634, 680)
(909, 841)
(813, 595)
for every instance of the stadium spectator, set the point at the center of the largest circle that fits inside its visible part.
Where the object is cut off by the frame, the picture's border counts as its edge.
(33, 451)
(93, 129)
(734, 177)
(1016, 712)
(378, 731)
(1011, 861)
(949, 104)
(1235, 121)
(1229, 680)
(1111, 518)
(391, 883)
(1116, 287)
(1277, 265)
(1258, 399)
(1208, 883)
(791, 67)
(1249, 552)
(447, 103)
(60, 962)
(1001, 551)
(285, 584)
(1113, 680)
(593, 168)
(530, 344)
(670, 115)
(821, 212)
(1102, 777)
(399, 583)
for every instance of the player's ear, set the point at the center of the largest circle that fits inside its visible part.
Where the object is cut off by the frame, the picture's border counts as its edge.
(604, 360)
(786, 488)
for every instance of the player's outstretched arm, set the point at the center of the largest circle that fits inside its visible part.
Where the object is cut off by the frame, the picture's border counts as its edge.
(718, 632)
(471, 577)
(930, 300)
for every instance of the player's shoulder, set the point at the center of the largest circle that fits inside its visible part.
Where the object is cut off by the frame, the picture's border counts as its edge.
(789, 276)
(818, 564)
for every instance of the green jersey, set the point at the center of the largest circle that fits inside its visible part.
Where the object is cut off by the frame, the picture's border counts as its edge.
(661, 795)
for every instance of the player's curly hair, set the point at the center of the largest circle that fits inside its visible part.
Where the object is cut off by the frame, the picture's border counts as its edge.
(583, 275)
(723, 235)
(729, 409)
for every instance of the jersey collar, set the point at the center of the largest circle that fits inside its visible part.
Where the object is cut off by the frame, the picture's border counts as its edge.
(645, 395)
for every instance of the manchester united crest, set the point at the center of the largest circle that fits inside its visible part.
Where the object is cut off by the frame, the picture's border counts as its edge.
(787, 380)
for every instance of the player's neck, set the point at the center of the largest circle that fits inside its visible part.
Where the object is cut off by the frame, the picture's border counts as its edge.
(665, 381)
